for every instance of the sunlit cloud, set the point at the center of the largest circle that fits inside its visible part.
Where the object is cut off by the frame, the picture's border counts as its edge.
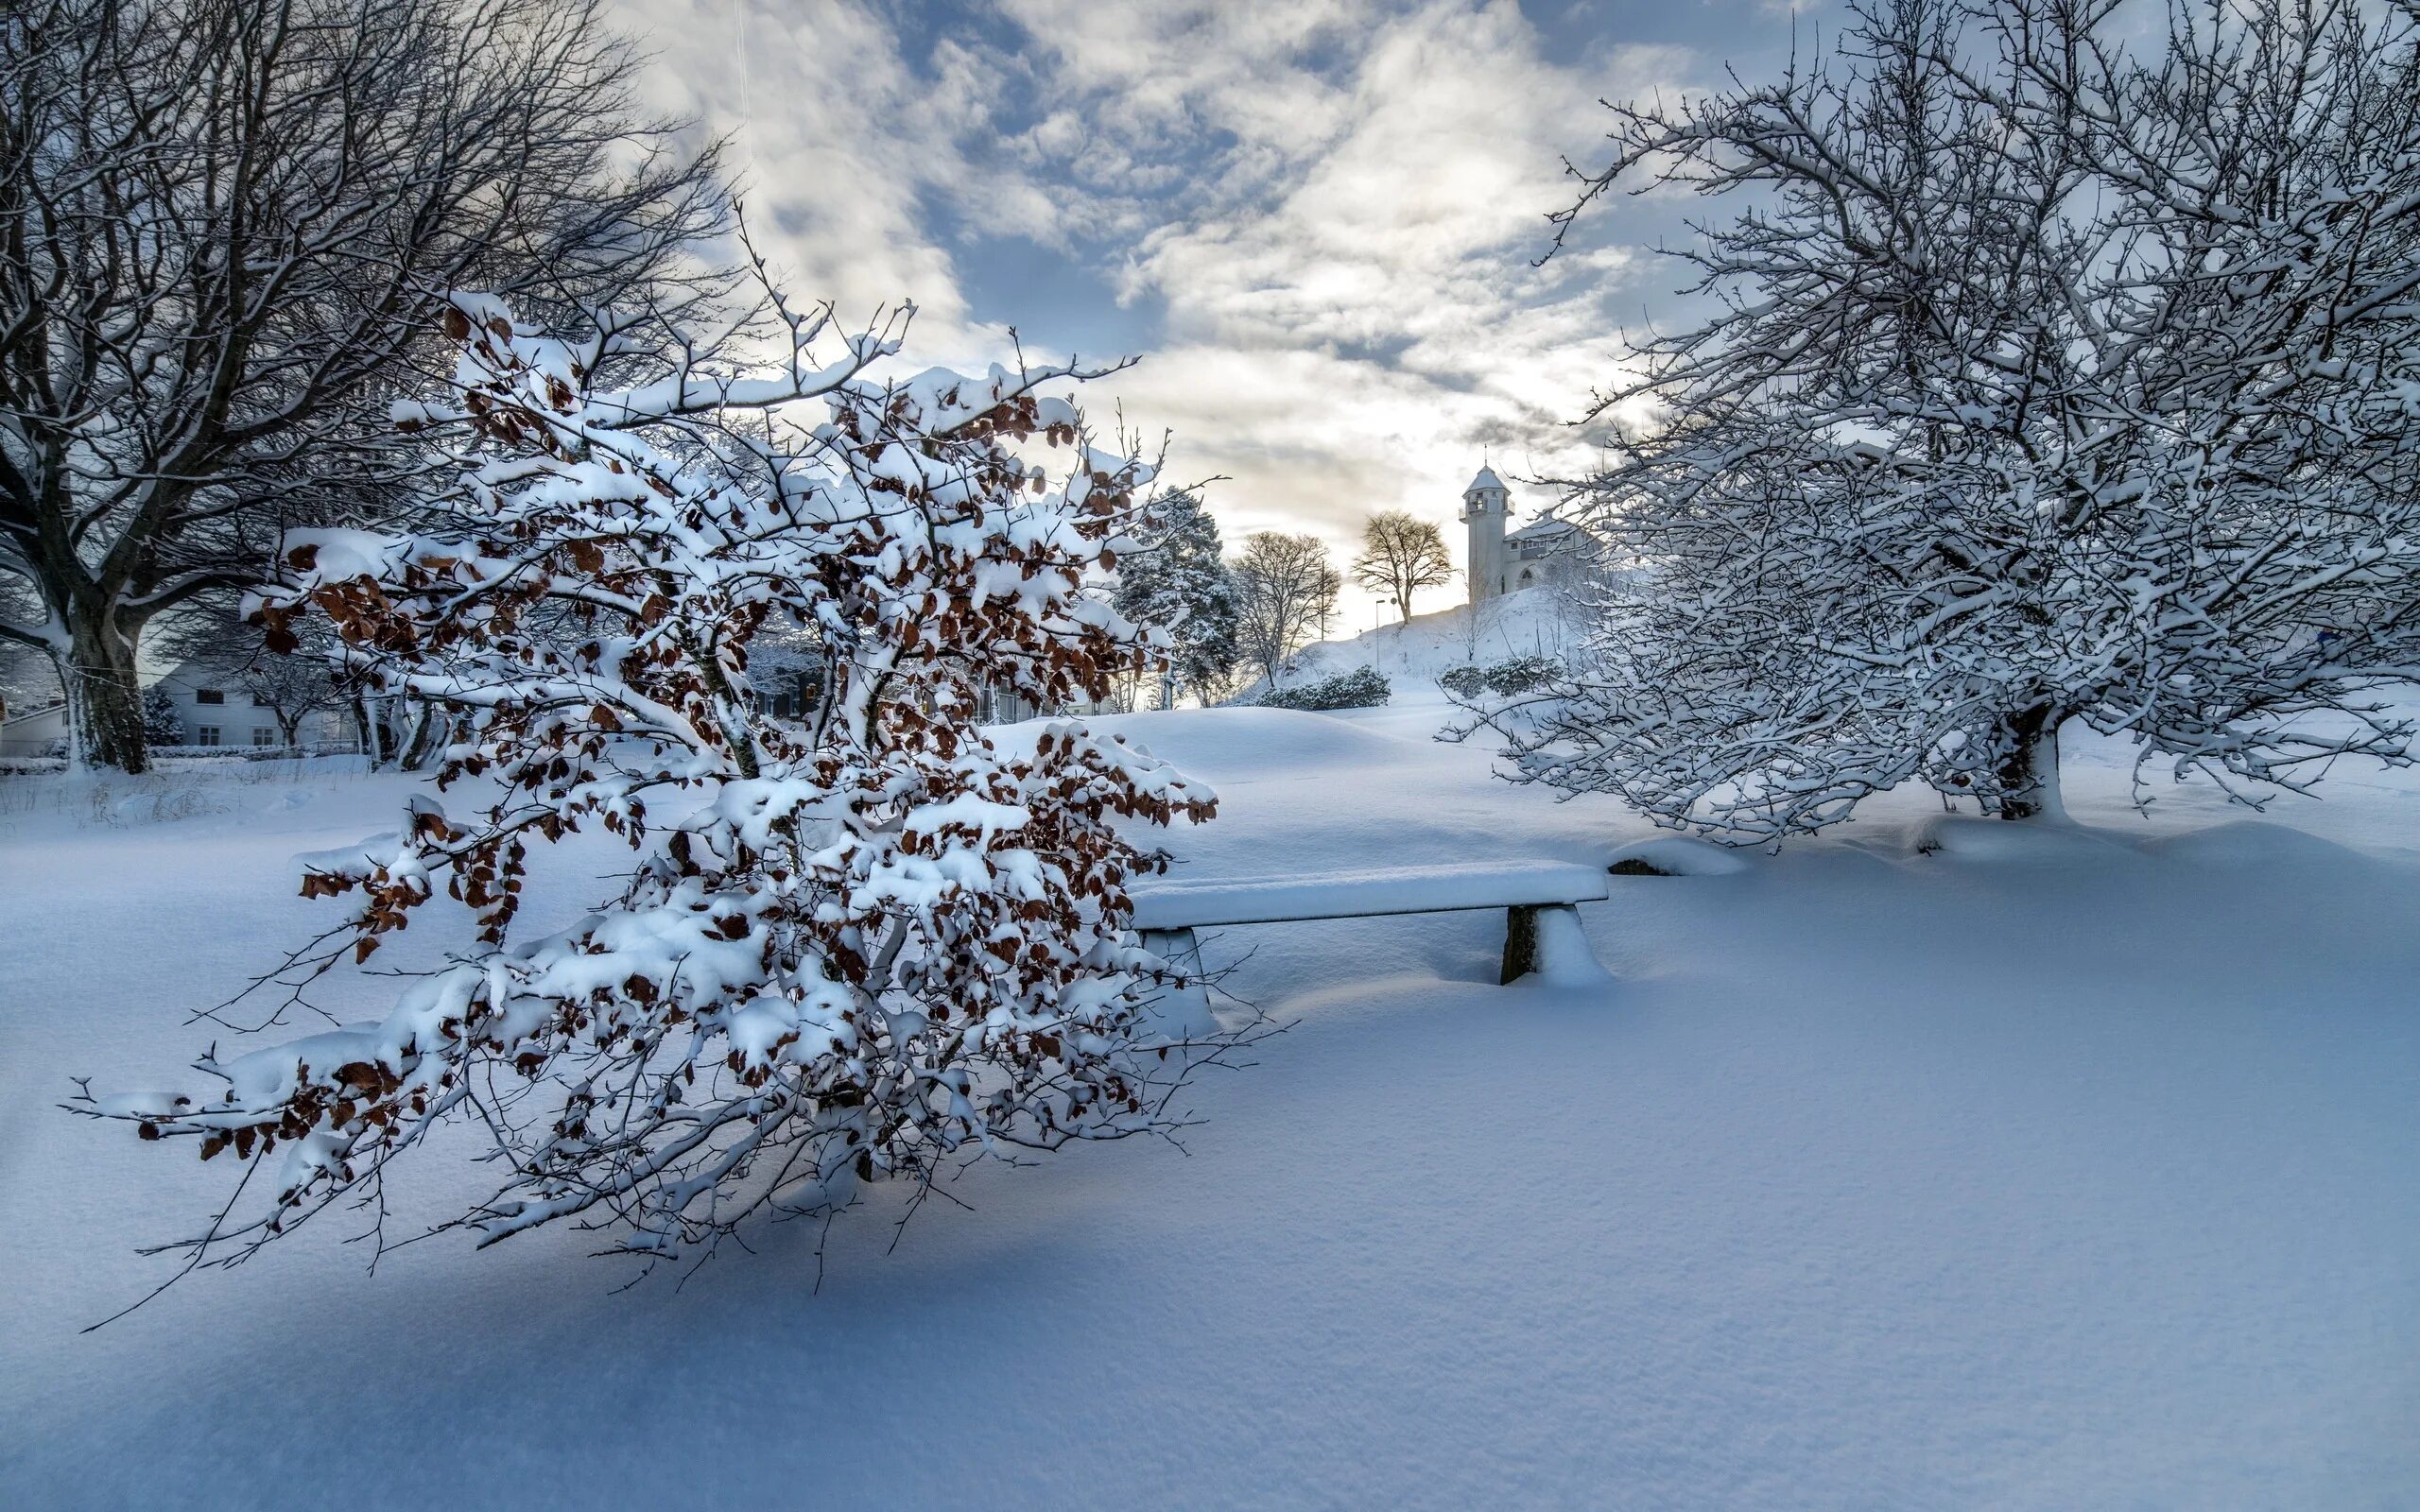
(1316, 224)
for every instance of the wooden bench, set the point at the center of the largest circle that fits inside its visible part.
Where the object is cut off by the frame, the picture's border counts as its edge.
(1542, 932)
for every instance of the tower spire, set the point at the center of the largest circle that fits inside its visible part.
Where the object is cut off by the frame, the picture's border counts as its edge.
(1485, 504)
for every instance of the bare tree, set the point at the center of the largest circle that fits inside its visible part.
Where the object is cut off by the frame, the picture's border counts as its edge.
(2054, 374)
(1401, 553)
(293, 688)
(1285, 597)
(226, 227)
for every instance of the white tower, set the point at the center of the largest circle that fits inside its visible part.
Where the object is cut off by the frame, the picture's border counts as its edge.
(1485, 504)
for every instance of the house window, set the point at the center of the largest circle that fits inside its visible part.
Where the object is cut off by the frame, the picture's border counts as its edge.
(260, 700)
(263, 735)
(210, 696)
(205, 735)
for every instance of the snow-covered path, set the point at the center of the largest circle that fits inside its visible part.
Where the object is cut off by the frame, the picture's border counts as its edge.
(2072, 1173)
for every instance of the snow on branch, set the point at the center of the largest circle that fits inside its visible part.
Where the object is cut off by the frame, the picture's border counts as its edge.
(2049, 375)
(856, 940)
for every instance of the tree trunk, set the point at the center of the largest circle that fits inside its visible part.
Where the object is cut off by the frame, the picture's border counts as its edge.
(2030, 773)
(370, 720)
(104, 699)
(420, 747)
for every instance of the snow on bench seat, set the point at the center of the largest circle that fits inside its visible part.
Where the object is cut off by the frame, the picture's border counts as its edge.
(1542, 932)
(1162, 905)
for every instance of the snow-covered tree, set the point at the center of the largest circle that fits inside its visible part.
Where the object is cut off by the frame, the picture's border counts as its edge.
(1286, 591)
(230, 225)
(2045, 381)
(1401, 553)
(851, 945)
(1179, 583)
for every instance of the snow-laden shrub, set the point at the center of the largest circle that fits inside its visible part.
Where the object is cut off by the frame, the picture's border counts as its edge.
(1363, 688)
(850, 945)
(1522, 674)
(1465, 681)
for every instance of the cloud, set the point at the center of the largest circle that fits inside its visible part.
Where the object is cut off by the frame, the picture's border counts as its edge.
(1314, 222)
(1375, 295)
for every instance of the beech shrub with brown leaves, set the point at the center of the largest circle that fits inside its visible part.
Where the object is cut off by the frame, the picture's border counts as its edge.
(858, 943)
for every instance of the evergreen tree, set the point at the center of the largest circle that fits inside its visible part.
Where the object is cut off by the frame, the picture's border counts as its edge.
(1179, 583)
(162, 724)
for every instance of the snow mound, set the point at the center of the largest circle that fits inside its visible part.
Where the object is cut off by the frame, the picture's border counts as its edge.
(1674, 855)
(2250, 843)
(1964, 837)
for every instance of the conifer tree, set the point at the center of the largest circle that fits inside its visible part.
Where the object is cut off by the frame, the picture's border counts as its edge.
(1179, 584)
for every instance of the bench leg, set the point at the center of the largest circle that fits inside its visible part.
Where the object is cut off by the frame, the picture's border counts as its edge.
(1546, 940)
(1181, 1012)
(1520, 944)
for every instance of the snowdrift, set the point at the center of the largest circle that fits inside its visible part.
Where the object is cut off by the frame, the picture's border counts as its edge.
(1415, 653)
(2046, 1176)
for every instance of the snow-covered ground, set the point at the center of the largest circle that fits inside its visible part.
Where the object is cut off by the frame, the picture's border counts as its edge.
(1412, 653)
(1922, 1165)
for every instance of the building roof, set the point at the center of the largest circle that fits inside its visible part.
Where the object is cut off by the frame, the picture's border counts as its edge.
(1486, 479)
(55, 706)
(1541, 529)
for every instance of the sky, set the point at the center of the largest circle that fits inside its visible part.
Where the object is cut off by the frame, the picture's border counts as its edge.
(1315, 223)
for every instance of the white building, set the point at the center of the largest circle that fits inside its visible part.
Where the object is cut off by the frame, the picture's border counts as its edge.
(216, 710)
(1485, 504)
(1502, 563)
(35, 732)
(211, 704)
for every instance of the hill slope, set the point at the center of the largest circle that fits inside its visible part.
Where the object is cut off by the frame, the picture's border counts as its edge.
(1533, 622)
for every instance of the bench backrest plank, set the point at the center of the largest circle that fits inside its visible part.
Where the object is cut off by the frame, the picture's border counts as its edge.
(1359, 894)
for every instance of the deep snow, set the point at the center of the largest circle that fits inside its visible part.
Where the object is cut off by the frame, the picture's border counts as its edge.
(1927, 1164)
(1412, 653)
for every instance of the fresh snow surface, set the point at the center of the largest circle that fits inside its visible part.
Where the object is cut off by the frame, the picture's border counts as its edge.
(1921, 1165)
(1413, 653)
(1678, 856)
(1346, 894)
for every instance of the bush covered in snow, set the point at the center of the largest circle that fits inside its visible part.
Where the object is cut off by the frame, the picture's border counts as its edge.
(1520, 673)
(851, 945)
(1366, 688)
